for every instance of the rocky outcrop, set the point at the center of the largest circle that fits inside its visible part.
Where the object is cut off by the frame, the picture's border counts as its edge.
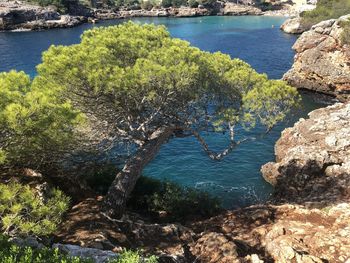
(294, 26)
(322, 61)
(313, 158)
(239, 10)
(312, 171)
(275, 233)
(161, 12)
(97, 255)
(20, 16)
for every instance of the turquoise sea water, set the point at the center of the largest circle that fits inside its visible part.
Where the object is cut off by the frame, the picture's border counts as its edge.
(257, 40)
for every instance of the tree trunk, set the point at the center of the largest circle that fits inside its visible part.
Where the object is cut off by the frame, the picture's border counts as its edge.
(125, 180)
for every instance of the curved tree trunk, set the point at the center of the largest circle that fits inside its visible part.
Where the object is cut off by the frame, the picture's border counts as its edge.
(125, 180)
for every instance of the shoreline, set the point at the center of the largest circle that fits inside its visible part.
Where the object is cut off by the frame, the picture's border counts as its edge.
(52, 24)
(23, 18)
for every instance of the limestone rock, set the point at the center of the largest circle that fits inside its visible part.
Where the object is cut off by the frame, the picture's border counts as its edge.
(313, 158)
(322, 62)
(239, 10)
(99, 256)
(293, 26)
(15, 15)
(215, 248)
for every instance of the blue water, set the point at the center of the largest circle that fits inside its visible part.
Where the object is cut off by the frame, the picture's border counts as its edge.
(257, 40)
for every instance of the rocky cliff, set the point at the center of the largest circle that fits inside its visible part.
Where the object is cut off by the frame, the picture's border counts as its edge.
(20, 16)
(322, 60)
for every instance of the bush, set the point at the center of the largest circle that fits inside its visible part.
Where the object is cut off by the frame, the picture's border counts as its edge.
(60, 4)
(36, 127)
(345, 36)
(180, 203)
(23, 213)
(193, 3)
(101, 177)
(326, 9)
(11, 253)
(147, 5)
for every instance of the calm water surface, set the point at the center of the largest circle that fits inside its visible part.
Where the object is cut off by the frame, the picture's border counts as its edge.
(257, 40)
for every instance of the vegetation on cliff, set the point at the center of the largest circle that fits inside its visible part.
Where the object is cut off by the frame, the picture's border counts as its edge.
(326, 9)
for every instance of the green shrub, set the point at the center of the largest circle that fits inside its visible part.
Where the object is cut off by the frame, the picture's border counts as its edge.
(129, 256)
(345, 36)
(326, 9)
(180, 203)
(60, 4)
(11, 253)
(23, 213)
(193, 3)
(101, 177)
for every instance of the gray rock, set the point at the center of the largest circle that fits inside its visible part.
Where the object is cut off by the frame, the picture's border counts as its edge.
(293, 26)
(15, 15)
(313, 158)
(322, 61)
(99, 256)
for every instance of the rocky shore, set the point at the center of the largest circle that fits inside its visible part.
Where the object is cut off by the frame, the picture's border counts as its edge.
(16, 15)
(21, 16)
(322, 60)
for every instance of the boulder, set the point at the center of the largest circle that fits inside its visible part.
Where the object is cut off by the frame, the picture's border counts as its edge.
(313, 158)
(322, 61)
(99, 256)
(240, 10)
(294, 26)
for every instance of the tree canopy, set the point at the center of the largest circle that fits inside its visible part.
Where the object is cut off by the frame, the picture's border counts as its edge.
(34, 125)
(134, 84)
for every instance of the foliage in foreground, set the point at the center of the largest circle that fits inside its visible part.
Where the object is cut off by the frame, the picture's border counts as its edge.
(326, 9)
(23, 213)
(11, 253)
(180, 203)
(35, 126)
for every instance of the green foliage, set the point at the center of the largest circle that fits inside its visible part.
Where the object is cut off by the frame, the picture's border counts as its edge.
(193, 3)
(345, 35)
(130, 4)
(11, 253)
(143, 76)
(100, 178)
(60, 4)
(22, 212)
(326, 9)
(35, 125)
(174, 3)
(149, 4)
(207, 2)
(129, 256)
(180, 203)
